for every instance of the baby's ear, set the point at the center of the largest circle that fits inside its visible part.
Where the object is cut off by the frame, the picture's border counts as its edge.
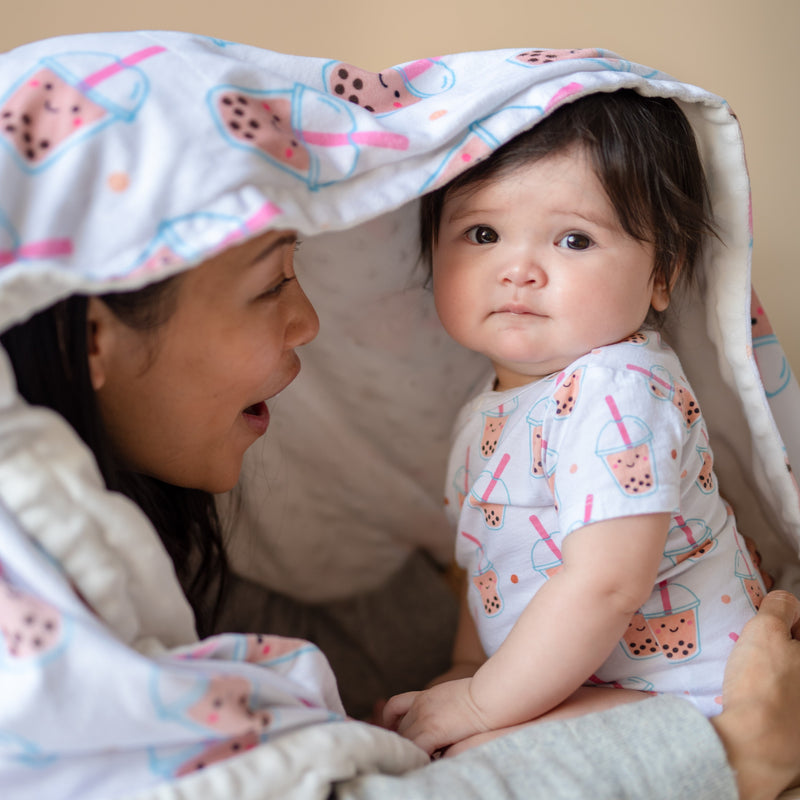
(659, 299)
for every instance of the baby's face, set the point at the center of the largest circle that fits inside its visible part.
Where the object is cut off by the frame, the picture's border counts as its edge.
(534, 270)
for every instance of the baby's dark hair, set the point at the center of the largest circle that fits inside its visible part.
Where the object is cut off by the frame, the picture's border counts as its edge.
(643, 152)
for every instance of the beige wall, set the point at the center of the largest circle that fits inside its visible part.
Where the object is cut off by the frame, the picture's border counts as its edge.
(744, 50)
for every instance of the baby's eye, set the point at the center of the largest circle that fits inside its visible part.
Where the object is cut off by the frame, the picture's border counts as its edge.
(576, 241)
(482, 234)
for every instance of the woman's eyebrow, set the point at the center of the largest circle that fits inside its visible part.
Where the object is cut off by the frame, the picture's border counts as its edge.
(281, 241)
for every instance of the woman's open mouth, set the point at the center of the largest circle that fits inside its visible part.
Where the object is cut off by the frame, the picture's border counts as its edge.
(257, 417)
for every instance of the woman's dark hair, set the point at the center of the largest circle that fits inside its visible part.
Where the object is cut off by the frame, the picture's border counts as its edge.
(645, 156)
(49, 353)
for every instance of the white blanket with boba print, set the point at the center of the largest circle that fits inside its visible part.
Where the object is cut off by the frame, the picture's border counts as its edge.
(106, 691)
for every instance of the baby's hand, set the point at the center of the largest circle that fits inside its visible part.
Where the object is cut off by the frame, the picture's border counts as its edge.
(437, 717)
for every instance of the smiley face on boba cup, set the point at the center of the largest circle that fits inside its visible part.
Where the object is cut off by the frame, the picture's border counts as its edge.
(624, 446)
(65, 98)
(389, 90)
(671, 613)
(493, 423)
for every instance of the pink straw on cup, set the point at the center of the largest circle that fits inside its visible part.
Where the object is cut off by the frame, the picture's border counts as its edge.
(623, 431)
(665, 601)
(391, 141)
(587, 509)
(495, 477)
(650, 375)
(112, 69)
(546, 538)
(47, 248)
(685, 528)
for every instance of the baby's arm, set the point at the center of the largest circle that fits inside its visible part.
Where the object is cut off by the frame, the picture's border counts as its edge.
(566, 632)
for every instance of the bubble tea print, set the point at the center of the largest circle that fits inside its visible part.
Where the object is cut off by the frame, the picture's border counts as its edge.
(671, 614)
(29, 627)
(535, 420)
(488, 484)
(546, 555)
(389, 90)
(535, 58)
(688, 540)
(566, 395)
(485, 581)
(12, 249)
(68, 97)
(277, 125)
(749, 579)
(624, 446)
(493, 424)
(663, 386)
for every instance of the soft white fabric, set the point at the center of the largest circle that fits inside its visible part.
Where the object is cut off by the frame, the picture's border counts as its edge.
(141, 172)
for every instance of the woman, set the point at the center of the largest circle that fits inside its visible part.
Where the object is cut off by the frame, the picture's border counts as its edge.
(107, 690)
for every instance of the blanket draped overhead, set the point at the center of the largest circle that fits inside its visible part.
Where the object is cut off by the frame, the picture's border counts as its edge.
(127, 157)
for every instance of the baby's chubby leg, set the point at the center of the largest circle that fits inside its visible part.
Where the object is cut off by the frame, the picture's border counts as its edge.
(586, 700)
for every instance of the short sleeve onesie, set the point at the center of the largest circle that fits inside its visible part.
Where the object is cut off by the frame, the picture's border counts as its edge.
(617, 433)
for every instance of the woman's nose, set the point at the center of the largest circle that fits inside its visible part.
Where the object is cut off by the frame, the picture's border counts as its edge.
(303, 326)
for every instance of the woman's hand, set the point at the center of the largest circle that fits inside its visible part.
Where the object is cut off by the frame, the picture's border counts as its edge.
(760, 722)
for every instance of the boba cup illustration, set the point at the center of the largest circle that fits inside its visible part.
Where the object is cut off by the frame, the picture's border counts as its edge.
(68, 97)
(485, 581)
(566, 395)
(535, 420)
(624, 446)
(671, 613)
(389, 90)
(688, 539)
(776, 374)
(30, 628)
(639, 641)
(12, 249)
(659, 380)
(493, 423)
(663, 386)
(639, 338)
(218, 752)
(748, 577)
(537, 57)
(220, 703)
(546, 556)
(482, 137)
(488, 485)
(184, 239)
(705, 478)
(303, 132)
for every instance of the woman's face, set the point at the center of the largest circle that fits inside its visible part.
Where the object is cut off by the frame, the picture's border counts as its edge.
(183, 403)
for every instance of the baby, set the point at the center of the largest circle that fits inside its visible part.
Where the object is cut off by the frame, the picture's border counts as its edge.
(598, 549)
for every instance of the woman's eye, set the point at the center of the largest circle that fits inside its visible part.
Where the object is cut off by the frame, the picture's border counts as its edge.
(576, 241)
(482, 234)
(275, 290)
